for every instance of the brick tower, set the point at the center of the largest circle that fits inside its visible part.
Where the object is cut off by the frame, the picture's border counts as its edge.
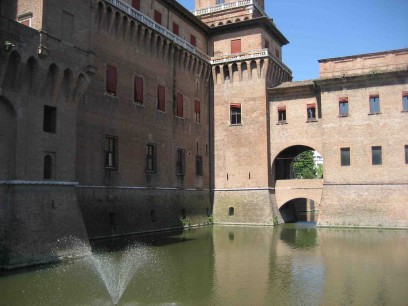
(245, 46)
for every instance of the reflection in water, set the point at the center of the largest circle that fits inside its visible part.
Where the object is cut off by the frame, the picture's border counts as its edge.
(292, 264)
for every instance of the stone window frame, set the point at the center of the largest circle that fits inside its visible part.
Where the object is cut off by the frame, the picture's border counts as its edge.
(374, 109)
(343, 101)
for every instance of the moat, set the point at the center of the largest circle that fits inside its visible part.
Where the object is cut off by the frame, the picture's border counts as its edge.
(291, 264)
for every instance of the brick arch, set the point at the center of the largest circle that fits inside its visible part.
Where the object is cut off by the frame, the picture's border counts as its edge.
(8, 135)
(281, 161)
(12, 71)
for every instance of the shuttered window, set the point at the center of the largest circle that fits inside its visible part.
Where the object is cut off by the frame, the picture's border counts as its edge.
(150, 158)
(161, 98)
(197, 111)
(157, 17)
(193, 40)
(405, 101)
(374, 104)
(111, 80)
(175, 28)
(138, 94)
(136, 4)
(343, 107)
(236, 46)
(179, 110)
(111, 152)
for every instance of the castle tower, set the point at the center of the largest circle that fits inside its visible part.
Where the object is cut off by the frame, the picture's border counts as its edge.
(245, 46)
(219, 12)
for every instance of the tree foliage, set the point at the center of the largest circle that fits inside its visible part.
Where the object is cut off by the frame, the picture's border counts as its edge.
(304, 166)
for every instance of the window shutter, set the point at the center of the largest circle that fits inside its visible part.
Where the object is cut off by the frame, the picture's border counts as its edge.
(138, 89)
(193, 40)
(405, 93)
(179, 112)
(111, 82)
(281, 108)
(157, 17)
(236, 105)
(175, 28)
(161, 95)
(197, 107)
(236, 46)
(344, 99)
(136, 4)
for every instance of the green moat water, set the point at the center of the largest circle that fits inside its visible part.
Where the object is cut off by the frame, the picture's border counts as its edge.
(292, 264)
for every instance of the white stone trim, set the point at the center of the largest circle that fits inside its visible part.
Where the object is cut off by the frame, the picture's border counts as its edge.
(227, 6)
(128, 9)
(49, 183)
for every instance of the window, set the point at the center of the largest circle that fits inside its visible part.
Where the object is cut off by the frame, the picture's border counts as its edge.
(220, 2)
(282, 114)
(406, 154)
(345, 156)
(405, 101)
(50, 119)
(48, 166)
(180, 162)
(157, 17)
(153, 216)
(25, 19)
(266, 44)
(193, 40)
(236, 46)
(199, 165)
(150, 158)
(161, 98)
(111, 152)
(374, 104)
(111, 80)
(136, 4)
(138, 94)
(197, 111)
(179, 109)
(277, 53)
(311, 112)
(235, 111)
(376, 155)
(231, 211)
(343, 107)
(175, 28)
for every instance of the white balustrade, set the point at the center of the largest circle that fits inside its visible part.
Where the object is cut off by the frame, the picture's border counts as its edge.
(248, 55)
(225, 6)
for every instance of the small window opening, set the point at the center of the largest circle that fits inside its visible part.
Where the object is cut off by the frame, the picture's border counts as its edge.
(150, 158)
(48, 167)
(376, 155)
(374, 104)
(345, 156)
(343, 107)
(405, 102)
(180, 163)
(235, 112)
(153, 216)
(231, 211)
(281, 115)
(50, 119)
(199, 165)
(311, 112)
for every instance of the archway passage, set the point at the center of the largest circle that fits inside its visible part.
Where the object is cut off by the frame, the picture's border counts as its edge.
(7, 140)
(298, 162)
(299, 210)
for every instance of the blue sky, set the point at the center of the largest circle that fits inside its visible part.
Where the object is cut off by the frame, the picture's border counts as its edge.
(331, 28)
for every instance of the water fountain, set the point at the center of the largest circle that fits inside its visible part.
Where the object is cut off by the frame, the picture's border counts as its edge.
(116, 272)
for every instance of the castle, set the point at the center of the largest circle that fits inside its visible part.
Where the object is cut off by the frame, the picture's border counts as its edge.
(128, 116)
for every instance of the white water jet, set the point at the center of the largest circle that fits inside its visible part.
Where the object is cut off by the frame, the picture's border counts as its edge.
(115, 269)
(116, 273)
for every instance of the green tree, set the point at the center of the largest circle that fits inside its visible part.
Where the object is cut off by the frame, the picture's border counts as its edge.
(304, 166)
